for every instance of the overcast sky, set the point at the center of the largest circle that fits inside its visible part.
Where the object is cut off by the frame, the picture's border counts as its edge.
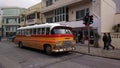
(18, 3)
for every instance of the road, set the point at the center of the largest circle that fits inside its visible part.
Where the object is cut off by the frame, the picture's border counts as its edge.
(13, 57)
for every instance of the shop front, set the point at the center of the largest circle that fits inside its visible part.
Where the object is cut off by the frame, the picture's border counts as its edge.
(80, 32)
(81, 35)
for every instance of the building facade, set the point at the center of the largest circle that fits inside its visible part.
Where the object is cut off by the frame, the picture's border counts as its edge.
(31, 15)
(10, 20)
(1, 22)
(72, 12)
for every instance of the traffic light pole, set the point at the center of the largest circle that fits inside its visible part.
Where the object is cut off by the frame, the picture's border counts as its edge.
(88, 36)
(88, 39)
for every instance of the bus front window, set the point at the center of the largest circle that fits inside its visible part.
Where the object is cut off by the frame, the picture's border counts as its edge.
(61, 31)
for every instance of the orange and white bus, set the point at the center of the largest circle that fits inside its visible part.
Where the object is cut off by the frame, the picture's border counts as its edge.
(51, 37)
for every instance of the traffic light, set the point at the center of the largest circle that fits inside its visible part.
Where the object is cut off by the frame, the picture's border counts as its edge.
(91, 20)
(86, 20)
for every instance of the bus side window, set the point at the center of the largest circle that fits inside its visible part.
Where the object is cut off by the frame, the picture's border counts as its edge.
(20, 32)
(39, 31)
(34, 31)
(25, 32)
(52, 32)
(43, 30)
(30, 32)
(47, 30)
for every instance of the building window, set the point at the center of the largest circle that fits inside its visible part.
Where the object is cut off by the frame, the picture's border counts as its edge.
(81, 13)
(38, 15)
(61, 14)
(8, 28)
(22, 19)
(11, 20)
(31, 16)
(49, 20)
(19, 20)
(3, 20)
(49, 2)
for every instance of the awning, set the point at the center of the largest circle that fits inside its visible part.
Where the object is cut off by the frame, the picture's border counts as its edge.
(73, 24)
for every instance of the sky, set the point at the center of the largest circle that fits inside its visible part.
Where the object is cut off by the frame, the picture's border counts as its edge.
(117, 2)
(18, 3)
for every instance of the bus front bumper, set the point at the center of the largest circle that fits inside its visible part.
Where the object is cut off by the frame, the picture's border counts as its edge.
(64, 49)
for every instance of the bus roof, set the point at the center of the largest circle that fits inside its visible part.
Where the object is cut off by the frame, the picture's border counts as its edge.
(51, 25)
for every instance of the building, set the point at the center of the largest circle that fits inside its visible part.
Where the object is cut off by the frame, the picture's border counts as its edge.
(31, 15)
(10, 20)
(72, 12)
(1, 22)
(23, 18)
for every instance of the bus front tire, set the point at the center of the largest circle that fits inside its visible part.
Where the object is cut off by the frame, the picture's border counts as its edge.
(48, 49)
(20, 45)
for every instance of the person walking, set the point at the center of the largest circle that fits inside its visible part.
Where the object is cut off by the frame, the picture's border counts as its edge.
(105, 40)
(109, 41)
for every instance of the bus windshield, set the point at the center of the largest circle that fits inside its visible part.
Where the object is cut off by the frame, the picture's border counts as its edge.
(61, 31)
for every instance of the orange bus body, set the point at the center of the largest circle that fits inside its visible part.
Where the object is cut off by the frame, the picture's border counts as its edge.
(56, 42)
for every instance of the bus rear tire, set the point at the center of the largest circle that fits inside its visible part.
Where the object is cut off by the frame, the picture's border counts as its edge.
(20, 45)
(48, 49)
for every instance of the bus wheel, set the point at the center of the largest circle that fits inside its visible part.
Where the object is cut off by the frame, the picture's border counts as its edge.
(48, 50)
(20, 45)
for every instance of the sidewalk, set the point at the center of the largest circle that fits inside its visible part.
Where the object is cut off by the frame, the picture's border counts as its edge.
(115, 54)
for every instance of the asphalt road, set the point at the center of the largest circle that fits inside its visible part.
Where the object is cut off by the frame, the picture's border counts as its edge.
(13, 57)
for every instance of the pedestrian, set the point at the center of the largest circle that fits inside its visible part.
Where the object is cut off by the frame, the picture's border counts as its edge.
(109, 41)
(105, 40)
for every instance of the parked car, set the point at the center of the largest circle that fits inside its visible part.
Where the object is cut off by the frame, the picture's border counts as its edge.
(11, 38)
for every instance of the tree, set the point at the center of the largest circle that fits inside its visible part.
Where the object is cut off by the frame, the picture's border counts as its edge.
(115, 28)
(97, 37)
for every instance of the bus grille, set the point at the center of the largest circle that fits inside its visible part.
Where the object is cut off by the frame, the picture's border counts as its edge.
(67, 44)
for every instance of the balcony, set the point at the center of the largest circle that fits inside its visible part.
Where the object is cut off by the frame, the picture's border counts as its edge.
(60, 3)
(10, 23)
(32, 21)
(22, 23)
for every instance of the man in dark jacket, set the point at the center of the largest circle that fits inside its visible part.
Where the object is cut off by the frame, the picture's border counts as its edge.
(105, 40)
(109, 41)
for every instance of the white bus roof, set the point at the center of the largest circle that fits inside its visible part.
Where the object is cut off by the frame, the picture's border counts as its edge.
(51, 25)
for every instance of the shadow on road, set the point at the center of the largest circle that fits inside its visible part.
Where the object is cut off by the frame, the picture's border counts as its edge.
(55, 55)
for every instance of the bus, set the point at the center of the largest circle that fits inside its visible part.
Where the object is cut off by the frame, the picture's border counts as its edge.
(50, 37)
